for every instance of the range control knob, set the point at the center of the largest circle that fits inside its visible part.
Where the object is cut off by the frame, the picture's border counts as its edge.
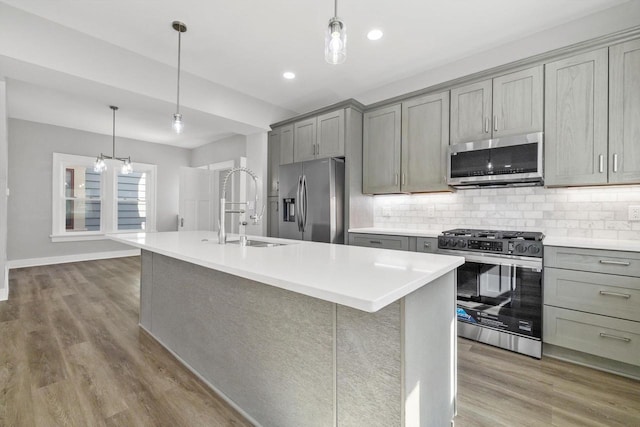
(534, 249)
(521, 248)
(462, 243)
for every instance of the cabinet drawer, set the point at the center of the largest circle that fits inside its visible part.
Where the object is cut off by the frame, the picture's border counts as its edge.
(606, 294)
(380, 241)
(427, 244)
(595, 260)
(602, 336)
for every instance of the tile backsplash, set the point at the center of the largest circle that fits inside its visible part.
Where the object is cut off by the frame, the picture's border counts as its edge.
(595, 212)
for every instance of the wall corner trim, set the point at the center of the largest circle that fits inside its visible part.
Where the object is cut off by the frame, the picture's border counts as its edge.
(4, 292)
(92, 256)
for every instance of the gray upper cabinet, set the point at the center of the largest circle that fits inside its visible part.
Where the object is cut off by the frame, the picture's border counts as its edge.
(471, 112)
(330, 136)
(624, 113)
(273, 158)
(381, 150)
(304, 137)
(506, 105)
(286, 144)
(425, 138)
(517, 103)
(319, 137)
(576, 120)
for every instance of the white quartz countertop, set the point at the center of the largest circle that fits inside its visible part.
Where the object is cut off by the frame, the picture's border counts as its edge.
(396, 231)
(586, 243)
(367, 279)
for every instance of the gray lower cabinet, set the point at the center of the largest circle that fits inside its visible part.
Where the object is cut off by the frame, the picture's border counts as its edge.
(624, 113)
(427, 244)
(379, 241)
(576, 120)
(592, 307)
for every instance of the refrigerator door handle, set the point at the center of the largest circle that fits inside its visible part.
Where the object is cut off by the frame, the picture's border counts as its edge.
(304, 202)
(298, 204)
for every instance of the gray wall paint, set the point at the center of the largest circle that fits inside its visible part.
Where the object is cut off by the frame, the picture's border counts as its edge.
(3, 185)
(219, 151)
(31, 146)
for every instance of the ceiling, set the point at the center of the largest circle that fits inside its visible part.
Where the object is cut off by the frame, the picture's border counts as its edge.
(67, 60)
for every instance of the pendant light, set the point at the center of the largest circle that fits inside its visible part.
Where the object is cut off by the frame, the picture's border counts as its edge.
(178, 125)
(335, 42)
(100, 165)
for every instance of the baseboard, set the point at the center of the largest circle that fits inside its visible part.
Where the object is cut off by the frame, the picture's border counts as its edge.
(92, 256)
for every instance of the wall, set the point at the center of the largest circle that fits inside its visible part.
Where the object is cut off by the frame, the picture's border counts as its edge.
(4, 154)
(230, 148)
(598, 212)
(29, 210)
(257, 161)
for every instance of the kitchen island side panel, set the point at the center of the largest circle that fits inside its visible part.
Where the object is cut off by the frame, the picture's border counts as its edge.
(369, 367)
(430, 357)
(268, 350)
(146, 278)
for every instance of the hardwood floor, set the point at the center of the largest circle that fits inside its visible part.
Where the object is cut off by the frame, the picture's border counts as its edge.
(72, 354)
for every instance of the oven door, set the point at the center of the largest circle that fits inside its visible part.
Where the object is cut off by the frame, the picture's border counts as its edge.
(501, 293)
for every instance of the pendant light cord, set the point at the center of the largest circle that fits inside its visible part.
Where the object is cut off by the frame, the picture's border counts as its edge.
(336, 8)
(179, 49)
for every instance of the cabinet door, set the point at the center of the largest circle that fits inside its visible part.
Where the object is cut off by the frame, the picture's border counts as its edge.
(273, 217)
(381, 151)
(425, 138)
(273, 167)
(624, 112)
(330, 135)
(517, 103)
(304, 140)
(576, 120)
(286, 144)
(471, 112)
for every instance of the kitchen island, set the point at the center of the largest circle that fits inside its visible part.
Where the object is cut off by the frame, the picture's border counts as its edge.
(306, 333)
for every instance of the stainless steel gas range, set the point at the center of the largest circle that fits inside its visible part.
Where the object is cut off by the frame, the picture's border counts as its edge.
(499, 295)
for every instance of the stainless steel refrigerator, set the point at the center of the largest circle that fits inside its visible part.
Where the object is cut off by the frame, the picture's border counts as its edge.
(312, 201)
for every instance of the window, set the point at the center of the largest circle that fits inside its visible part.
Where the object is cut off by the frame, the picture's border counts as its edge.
(86, 205)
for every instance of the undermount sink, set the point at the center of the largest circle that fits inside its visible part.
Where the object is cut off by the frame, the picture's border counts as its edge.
(257, 243)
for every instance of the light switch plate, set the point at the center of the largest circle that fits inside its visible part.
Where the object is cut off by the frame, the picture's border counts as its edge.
(634, 213)
(431, 211)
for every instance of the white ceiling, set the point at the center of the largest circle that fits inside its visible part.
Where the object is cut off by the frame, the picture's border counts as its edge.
(67, 60)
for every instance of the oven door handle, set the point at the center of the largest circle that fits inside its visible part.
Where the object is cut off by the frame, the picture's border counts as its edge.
(534, 264)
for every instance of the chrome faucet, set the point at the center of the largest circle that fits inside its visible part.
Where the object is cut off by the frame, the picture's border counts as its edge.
(222, 233)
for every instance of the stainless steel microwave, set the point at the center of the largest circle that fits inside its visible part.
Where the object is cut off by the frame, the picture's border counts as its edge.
(509, 161)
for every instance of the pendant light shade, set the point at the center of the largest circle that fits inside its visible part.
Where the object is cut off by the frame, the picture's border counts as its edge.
(335, 43)
(178, 125)
(100, 165)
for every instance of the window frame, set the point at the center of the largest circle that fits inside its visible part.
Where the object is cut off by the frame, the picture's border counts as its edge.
(108, 198)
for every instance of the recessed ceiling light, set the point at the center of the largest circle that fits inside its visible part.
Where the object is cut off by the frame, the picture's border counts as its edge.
(289, 75)
(374, 34)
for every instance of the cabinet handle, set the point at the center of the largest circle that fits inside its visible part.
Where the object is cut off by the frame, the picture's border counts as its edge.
(495, 123)
(404, 180)
(486, 125)
(427, 244)
(615, 294)
(615, 337)
(375, 242)
(615, 163)
(623, 263)
(395, 179)
(601, 163)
